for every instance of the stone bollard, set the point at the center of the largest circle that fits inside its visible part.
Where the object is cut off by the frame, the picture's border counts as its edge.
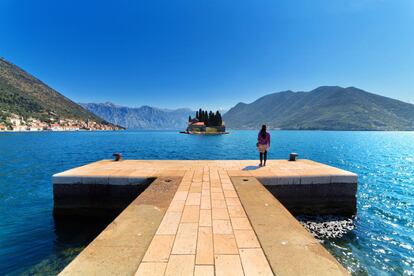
(293, 156)
(117, 156)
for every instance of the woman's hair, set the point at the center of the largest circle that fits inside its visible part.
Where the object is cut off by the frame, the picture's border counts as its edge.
(263, 132)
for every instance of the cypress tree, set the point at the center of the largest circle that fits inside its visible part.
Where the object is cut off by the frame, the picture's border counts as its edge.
(207, 119)
(216, 119)
(220, 120)
(189, 118)
(197, 115)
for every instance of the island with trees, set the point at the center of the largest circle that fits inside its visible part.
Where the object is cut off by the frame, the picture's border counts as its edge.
(206, 122)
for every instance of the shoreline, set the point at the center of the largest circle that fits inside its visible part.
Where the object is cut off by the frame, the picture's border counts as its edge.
(50, 130)
(184, 132)
(204, 133)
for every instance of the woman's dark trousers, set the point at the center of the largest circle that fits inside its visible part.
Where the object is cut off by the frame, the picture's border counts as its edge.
(261, 157)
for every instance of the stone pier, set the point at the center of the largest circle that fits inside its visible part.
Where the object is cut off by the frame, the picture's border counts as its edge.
(205, 217)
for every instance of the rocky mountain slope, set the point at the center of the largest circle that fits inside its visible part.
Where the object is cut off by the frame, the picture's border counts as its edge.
(23, 96)
(324, 108)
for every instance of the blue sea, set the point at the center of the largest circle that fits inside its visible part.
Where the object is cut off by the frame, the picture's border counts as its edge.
(33, 242)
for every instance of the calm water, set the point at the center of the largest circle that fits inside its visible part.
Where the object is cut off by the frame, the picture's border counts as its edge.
(31, 241)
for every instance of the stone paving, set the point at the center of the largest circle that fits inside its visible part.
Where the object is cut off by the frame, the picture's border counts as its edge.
(276, 171)
(205, 231)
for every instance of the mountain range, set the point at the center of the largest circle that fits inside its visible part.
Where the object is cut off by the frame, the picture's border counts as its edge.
(26, 100)
(324, 108)
(144, 117)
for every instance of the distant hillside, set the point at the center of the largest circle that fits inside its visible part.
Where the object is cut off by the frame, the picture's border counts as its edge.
(25, 95)
(144, 117)
(325, 108)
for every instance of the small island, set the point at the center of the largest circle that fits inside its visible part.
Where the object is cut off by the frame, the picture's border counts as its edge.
(206, 123)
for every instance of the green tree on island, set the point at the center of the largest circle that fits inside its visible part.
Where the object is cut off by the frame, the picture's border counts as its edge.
(209, 118)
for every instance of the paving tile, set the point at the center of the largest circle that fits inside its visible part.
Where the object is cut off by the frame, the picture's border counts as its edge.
(180, 195)
(236, 212)
(241, 224)
(230, 193)
(159, 249)
(205, 192)
(214, 182)
(183, 188)
(232, 201)
(254, 262)
(225, 244)
(205, 254)
(219, 196)
(206, 186)
(196, 184)
(216, 189)
(198, 178)
(185, 183)
(176, 206)
(153, 269)
(222, 227)
(169, 224)
(246, 239)
(205, 218)
(191, 213)
(180, 265)
(193, 199)
(204, 270)
(220, 213)
(195, 189)
(228, 187)
(205, 202)
(186, 239)
(218, 203)
(228, 265)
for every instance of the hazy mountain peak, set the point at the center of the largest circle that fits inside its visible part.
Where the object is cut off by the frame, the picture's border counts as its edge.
(143, 117)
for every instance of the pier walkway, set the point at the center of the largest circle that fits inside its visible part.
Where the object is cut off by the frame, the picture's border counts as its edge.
(203, 218)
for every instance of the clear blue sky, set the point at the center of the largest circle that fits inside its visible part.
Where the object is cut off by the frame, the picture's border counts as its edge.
(210, 53)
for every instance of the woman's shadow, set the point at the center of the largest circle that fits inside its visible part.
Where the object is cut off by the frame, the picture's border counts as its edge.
(251, 168)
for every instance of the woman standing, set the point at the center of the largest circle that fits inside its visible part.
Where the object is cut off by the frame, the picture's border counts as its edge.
(263, 144)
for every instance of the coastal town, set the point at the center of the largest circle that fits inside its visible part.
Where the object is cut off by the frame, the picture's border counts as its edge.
(16, 123)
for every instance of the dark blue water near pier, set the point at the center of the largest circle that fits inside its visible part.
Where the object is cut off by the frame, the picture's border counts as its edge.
(31, 241)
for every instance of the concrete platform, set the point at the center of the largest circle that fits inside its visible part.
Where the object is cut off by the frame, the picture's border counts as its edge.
(303, 187)
(202, 218)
